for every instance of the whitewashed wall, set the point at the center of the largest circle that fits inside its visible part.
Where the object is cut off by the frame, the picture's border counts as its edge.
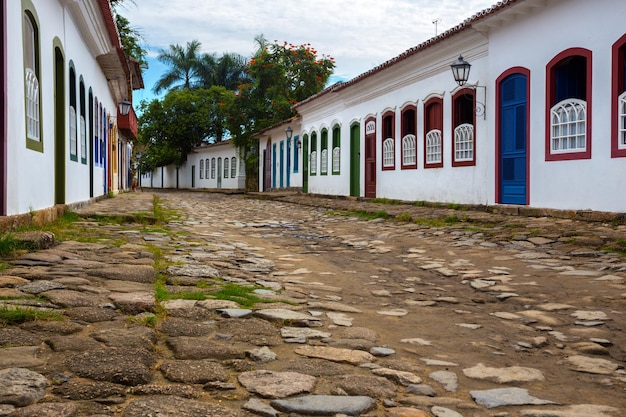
(531, 42)
(408, 82)
(30, 173)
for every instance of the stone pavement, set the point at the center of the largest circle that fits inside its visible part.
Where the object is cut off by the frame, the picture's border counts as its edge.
(442, 312)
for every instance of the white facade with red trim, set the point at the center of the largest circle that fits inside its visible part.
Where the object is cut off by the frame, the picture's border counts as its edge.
(549, 73)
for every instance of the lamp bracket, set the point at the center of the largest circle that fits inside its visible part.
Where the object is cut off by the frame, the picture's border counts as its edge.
(481, 107)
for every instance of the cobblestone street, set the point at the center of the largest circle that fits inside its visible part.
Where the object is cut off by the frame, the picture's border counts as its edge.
(356, 308)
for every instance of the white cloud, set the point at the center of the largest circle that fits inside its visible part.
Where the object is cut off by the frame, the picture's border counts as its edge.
(359, 34)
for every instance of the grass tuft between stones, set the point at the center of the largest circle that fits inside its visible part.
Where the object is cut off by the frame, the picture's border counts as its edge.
(16, 315)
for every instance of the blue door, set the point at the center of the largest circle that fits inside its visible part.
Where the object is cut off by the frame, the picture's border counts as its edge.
(513, 140)
(282, 158)
(288, 170)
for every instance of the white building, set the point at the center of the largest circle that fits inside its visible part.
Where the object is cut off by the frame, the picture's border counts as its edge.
(64, 74)
(211, 166)
(541, 122)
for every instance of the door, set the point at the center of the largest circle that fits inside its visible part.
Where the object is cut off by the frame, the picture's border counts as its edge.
(274, 162)
(59, 127)
(355, 160)
(219, 173)
(513, 113)
(193, 176)
(267, 173)
(370, 159)
(305, 164)
(288, 170)
(280, 163)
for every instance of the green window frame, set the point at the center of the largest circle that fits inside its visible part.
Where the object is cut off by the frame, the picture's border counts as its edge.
(32, 77)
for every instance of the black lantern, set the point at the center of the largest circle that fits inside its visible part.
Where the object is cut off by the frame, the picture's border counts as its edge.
(460, 70)
(124, 107)
(289, 132)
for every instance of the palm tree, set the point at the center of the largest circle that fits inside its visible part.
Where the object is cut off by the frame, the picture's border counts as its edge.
(184, 67)
(229, 70)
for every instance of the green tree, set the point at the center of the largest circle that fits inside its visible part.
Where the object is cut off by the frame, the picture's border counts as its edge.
(170, 128)
(184, 64)
(130, 37)
(230, 70)
(280, 76)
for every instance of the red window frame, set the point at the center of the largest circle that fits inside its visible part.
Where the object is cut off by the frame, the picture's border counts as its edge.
(433, 119)
(551, 98)
(406, 129)
(618, 53)
(460, 115)
(388, 130)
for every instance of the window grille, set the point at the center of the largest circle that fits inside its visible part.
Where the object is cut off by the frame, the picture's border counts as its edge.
(32, 106)
(388, 152)
(226, 168)
(464, 142)
(336, 159)
(408, 150)
(324, 161)
(433, 147)
(622, 121)
(201, 168)
(313, 162)
(568, 126)
(233, 167)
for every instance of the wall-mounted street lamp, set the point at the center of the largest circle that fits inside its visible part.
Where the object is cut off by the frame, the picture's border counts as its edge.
(289, 133)
(460, 71)
(124, 107)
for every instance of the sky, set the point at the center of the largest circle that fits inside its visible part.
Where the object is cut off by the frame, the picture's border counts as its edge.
(359, 34)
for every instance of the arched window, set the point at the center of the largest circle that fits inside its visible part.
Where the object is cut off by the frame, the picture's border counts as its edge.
(201, 168)
(409, 141)
(226, 168)
(207, 169)
(324, 153)
(463, 127)
(336, 150)
(568, 119)
(313, 169)
(389, 141)
(212, 168)
(72, 123)
(433, 127)
(233, 167)
(82, 122)
(618, 92)
(32, 79)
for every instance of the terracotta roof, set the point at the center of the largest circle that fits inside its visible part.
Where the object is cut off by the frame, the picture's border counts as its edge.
(466, 24)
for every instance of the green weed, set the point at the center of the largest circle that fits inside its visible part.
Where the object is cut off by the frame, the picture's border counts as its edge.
(16, 314)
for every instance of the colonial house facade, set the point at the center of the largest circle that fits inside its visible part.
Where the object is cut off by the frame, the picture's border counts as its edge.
(214, 166)
(64, 139)
(541, 121)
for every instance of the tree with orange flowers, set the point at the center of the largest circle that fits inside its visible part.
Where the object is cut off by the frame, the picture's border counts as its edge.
(281, 74)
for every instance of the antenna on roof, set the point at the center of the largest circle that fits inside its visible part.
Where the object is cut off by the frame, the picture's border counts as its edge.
(435, 22)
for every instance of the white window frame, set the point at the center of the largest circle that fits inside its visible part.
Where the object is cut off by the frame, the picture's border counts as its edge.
(409, 154)
(33, 113)
(464, 142)
(336, 159)
(568, 126)
(324, 162)
(226, 167)
(433, 147)
(201, 168)
(389, 153)
(207, 169)
(73, 138)
(621, 128)
(83, 138)
(212, 168)
(313, 163)
(233, 167)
